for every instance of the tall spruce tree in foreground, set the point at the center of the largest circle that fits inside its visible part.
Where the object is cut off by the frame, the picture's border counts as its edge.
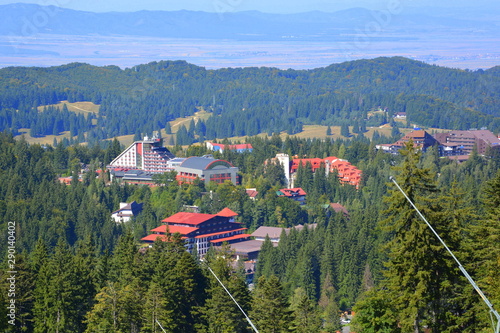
(490, 245)
(57, 293)
(460, 313)
(483, 246)
(418, 268)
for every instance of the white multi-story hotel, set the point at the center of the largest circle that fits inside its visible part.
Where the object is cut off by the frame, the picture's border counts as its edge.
(148, 155)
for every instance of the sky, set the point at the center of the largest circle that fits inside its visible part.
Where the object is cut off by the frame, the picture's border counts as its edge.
(269, 6)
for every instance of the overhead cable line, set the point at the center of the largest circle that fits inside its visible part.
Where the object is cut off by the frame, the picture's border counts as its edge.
(160, 326)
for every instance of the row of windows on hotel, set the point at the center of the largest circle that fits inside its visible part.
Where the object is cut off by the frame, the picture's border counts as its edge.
(217, 178)
(220, 177)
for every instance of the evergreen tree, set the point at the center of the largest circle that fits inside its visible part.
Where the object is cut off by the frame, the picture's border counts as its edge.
(491, 234)
(270, 309)
(418, 267)
(201, 128)
(104, 315)
(183, 286)
(376, 313)
(156, 309)
(130, 305)
(395, 133)
(115, 149)
(275, 173)
(355, 127)
(342, 151)
(482, 247)
(84, 265)
(344, 130)
(56, 293)
(319, 186)
(265, 253)
(168, 128)
(123, 264)
(25, 278)
(192, 125)
(330, 312)
(305, 177)
(306, 317)
(220, 312)
(362, 126)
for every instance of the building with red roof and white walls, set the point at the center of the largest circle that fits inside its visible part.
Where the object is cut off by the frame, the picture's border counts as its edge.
(347, 173)
(239, 148)
(200, 231)
(296, 194)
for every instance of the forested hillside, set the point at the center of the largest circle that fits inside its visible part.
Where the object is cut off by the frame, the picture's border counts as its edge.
(249, 101)
(77, 271)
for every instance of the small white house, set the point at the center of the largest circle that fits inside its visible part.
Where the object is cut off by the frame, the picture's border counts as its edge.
(400, 115)
(126, 211)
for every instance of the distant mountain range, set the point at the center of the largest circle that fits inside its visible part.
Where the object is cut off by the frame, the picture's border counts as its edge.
(29, 19)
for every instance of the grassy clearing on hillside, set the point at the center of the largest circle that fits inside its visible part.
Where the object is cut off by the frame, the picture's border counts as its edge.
(309, 131)
(77, 107)
(126, 140)
(202, 114)
(44, 140)
(318, 131)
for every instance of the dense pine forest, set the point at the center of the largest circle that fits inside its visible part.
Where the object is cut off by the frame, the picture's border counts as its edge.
(247, 101)
(78, 271)
(66, 266)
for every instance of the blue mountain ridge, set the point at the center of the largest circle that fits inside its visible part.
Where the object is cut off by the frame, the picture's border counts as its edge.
(29, 19)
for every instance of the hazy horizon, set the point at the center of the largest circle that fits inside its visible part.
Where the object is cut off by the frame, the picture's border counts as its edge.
(453, 33)
(275, 6)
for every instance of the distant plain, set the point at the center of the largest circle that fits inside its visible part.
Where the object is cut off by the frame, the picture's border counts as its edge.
(33, 35)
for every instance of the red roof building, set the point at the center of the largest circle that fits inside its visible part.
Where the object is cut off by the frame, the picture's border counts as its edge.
(314, 162)
(252, 193)
(296, 194)
(347, 173)
(338, 208)
(466, 140)
(454, 144)
(227, 213)
(421, 139)
(200, 231)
